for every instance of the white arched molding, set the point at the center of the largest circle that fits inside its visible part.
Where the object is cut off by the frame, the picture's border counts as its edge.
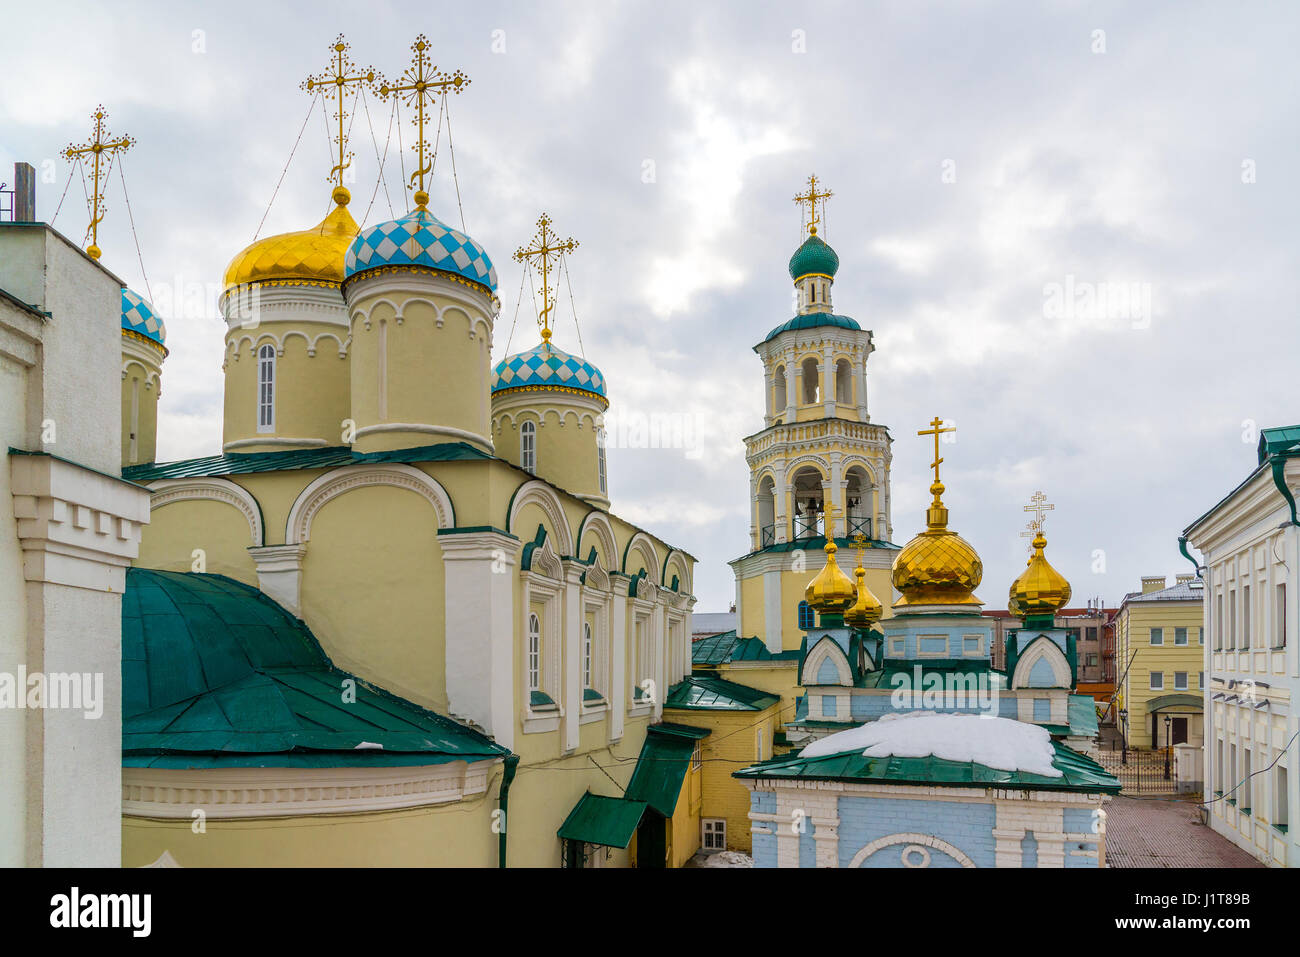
(166, 491)
(1040, 648)
(596, 577)
(676, 559)
(544, 561)
(538, 493)
(910, 840)
(597, 523)
(822, 650)
(642, 545)
(341, 480)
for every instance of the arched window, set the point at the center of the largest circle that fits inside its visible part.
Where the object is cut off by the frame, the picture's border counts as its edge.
(810, 381)
(266, 388)
(528, 447)
(843, 382)
(534, 653)
(806, 622)
(600, 460)
(586, 654)
(778, 391)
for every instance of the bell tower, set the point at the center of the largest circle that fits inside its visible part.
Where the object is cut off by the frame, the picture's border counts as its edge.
(819, 468)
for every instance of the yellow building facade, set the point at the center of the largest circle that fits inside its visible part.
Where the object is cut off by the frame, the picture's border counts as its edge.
(1160, 652)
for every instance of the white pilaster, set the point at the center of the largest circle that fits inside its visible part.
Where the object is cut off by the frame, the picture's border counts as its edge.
(571, 686)
(279, 574)
(771, 611)
(618, 692)
(480, 583)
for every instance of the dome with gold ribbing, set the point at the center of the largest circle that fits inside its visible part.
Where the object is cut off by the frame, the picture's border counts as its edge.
(1040, 589)
(307, 257)
(866, 609)
(938, 566)
(831, 592)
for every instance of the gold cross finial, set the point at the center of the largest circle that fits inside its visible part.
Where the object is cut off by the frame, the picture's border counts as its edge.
(333, 82)
(1038, 505)
(859, 541)
(936, 428)
(547, 249)
(100, 144)
(811, 199)
(421, 83)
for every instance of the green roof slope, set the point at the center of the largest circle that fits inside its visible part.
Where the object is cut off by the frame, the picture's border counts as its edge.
(708, 693)
(242, 463)
(1079, 773)
(214, 673)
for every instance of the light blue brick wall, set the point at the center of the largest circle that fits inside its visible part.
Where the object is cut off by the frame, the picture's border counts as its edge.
(764, 845)
(968, 827)
(1029, 851)
(955, 633)
(1042, 709)
(829, 705)
(1079, 820)
(808, 845)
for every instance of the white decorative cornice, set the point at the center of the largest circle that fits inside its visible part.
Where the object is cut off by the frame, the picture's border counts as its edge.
(76, 527)
(334, 483)
(170, 793)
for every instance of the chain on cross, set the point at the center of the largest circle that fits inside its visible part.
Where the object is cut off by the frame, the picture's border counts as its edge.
(811, 199)
(548, 250)
(101, 144)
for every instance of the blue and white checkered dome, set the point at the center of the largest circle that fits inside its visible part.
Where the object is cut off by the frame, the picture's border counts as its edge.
(546, 367)
(420, 239)
(138, 317)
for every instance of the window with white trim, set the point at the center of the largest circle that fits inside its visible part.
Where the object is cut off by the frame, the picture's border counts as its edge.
(266, 388)
(1180, 680)
(713, 834)
(528, 447)
(534, 653)
(600, 461)
(1157, 681)
(1279, 618)
(1180, 636)
(586, 654)
(697, 758)
(1157, 636)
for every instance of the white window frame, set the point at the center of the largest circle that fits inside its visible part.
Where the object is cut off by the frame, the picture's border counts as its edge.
(979, 646)
(602, 471)
(587, 651)
(1157, 681)
(528, 447)
(265, 388)
(1183, 643)
(1183, 686)
(713, 833)
(1157, 638)
(534, 652)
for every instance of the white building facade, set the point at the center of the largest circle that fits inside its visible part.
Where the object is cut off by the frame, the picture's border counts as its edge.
(1249, 542)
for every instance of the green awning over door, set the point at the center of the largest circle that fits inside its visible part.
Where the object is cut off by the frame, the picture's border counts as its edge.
(608, 821)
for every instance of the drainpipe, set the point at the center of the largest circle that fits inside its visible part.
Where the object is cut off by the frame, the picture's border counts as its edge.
(1182, 547)
(1279, 479)
(512, 763)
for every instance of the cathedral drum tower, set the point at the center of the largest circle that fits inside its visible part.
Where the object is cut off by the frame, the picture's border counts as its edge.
(820, 467)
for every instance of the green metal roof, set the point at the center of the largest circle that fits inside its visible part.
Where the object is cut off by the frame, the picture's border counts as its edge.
(726, 647)
(240, 463)
(679, 730)
(816, 543)
(814, 255)
(1081, 710)
(214, 673)
(660, 770)
(813, 320)
(608, 821)
(1160, 702)
(1284, 438)
(1080, 773)
(709, 693)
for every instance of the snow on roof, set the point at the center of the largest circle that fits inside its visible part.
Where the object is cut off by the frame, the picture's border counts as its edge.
(999, 743)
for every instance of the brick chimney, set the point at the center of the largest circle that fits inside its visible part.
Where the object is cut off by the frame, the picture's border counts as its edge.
(1152, 583)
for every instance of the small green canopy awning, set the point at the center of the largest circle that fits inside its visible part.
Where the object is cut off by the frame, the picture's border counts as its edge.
(608, 821)
(1161, 702)
(662, 764)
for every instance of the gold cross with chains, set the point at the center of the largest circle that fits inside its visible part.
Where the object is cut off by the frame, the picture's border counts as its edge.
(936, 428)
(333, 82)
(1038, 505)
(859, 541)
(548, 250)
(811, 199)
(422, 82)
(99, 145)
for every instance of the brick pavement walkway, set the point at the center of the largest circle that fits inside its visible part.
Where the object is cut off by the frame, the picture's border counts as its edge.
(1164, 832)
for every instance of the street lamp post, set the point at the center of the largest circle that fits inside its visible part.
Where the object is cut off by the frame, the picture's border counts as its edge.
(1123, 735)
(1168, 744)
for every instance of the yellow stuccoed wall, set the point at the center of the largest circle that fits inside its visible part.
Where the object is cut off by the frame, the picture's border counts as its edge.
(566, 443)
(1133, 634)
(793, 586)
(140, 378)
(434, 366)
(312, 396)
(218, 529)
(458, 835)
(730, 746)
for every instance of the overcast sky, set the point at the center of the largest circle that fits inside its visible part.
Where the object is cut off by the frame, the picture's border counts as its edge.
(994, 165)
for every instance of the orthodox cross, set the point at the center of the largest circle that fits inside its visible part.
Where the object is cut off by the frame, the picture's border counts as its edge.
(548, 250)
(422, 83)
(859, 541)
(832, 512)
(811, 199)
(936, 428)
(101, 144)
(1038, 505)
(333, 82)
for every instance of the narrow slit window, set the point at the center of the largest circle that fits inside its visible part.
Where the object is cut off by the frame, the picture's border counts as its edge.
(528, 447)
(266, 388)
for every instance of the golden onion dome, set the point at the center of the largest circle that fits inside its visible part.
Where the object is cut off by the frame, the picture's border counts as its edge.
(938, 566)
(1040, 589)
(866, 610)
(831, 591)
(310, 256)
